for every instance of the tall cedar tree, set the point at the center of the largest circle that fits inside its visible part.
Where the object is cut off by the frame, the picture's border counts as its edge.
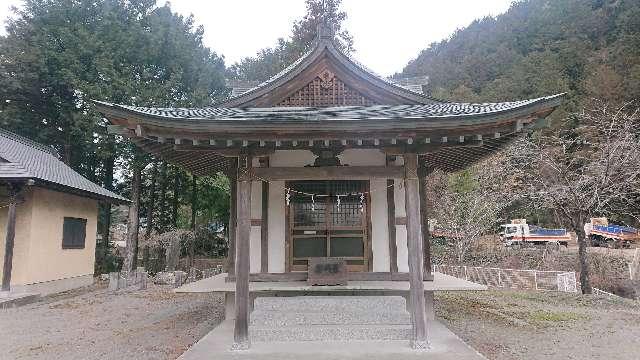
(60, 54)
(270, 61)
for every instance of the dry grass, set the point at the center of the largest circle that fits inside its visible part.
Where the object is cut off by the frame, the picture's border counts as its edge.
(543, 325)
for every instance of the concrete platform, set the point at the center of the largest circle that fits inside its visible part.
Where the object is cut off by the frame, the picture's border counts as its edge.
(15, 299)
(441, 282)
(445, 345)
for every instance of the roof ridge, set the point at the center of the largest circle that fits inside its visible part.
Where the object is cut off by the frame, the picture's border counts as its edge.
(329, 45)
(28, 142)
(386, 80)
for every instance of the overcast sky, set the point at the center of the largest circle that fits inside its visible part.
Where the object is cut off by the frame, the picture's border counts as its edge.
(387, 34)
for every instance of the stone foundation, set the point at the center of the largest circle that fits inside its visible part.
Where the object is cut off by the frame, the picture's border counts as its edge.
(54, 286)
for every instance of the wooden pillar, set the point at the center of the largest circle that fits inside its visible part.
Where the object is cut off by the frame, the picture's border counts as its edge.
(264, 223)
(13, 191)
(391, 222)
(241, 330)
(414, 245)
(233, 217)
(424, 217)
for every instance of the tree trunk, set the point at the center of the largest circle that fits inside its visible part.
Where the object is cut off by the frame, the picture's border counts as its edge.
(162, 215)
(585, 282)
(66, 154)
(194, 208)
(150, 213)
(176, 197)
(132, 231)
(172, 256)
(152, 201)
(108, 184)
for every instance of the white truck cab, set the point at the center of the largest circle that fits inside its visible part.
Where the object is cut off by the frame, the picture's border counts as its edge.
(518, 232)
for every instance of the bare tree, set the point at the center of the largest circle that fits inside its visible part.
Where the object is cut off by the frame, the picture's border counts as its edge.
(591, 168)
(467, 205)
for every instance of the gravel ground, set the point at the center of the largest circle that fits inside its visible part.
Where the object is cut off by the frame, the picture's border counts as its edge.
(91, 323)
(543, 325)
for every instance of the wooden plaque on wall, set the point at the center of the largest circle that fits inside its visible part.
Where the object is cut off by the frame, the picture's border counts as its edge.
(327, 271)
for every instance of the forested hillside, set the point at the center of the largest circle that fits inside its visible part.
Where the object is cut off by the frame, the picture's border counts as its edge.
(588, 48)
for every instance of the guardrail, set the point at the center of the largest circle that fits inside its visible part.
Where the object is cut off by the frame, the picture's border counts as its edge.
(564, 281)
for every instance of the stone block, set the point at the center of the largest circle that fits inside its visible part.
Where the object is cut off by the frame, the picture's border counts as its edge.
(114, 281)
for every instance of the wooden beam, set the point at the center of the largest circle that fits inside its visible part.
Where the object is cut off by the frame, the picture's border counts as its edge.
(302, 276)
(241, 339)
(264, 228)
(424, 218)
(13, 192)
(233, 216)
(429, 147)
(414, 247)
(330, 173)
(249, 149)
(391, 223)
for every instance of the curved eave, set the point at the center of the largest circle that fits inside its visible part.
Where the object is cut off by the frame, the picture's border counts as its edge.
(306, 60)
(310, 120)
(455, 159)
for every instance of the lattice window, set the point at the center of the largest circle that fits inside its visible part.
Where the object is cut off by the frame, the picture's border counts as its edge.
(326, 90)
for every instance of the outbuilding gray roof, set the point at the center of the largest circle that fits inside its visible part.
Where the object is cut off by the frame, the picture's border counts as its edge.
(24, 159)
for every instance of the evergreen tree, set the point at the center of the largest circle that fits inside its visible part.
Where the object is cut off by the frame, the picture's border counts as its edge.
(58, 55)
(270, 61)
(539, 47)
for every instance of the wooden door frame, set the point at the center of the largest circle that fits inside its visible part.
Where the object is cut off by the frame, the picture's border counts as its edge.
(366, 228)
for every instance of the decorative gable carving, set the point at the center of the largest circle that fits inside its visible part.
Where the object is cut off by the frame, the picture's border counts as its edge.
(326, 90)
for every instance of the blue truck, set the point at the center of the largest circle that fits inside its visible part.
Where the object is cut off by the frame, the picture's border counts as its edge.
(601, 233)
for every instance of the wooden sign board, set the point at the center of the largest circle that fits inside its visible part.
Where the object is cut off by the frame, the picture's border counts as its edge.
(327, 271)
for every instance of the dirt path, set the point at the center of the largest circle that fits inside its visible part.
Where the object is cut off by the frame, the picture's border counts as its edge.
(93, 324)
(543, 325)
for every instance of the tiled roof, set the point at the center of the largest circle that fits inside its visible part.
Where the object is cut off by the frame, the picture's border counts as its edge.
(275, 77)
(21, 158)
(437, 110)
(347, 60)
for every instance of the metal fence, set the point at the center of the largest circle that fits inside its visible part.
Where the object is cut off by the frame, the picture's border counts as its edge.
(597, 291)
(513, 278)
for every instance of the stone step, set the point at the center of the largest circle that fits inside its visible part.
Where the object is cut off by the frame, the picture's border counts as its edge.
(262, 318)
(330, 333)
(326, 304)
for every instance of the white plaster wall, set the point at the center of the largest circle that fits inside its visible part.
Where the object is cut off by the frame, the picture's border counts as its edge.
(401, 230)
(401, 243)
(362, 157)
(276, 227)
(291, 158)
(255, 239)
(256, 199)
(379, 226)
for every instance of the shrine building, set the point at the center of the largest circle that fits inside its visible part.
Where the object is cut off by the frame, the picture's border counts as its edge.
(327, 163)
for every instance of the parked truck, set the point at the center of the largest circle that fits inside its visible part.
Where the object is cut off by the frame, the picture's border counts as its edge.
(601, 233)
(519, 233)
